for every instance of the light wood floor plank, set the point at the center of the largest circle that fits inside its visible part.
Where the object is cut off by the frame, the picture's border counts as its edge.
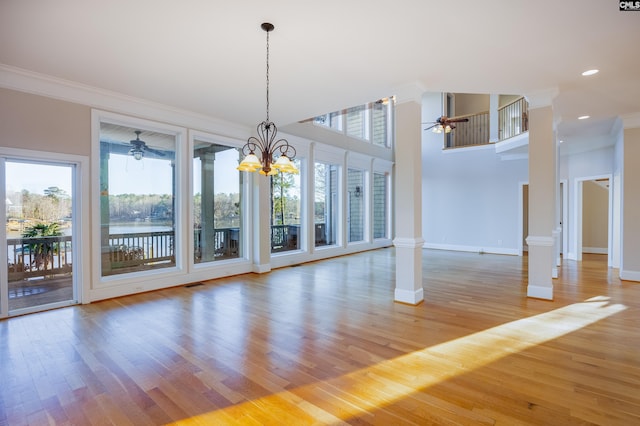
(324, 343)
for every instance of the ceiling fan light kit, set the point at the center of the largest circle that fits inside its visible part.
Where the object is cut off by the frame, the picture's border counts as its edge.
(445, 124)
(140, 147)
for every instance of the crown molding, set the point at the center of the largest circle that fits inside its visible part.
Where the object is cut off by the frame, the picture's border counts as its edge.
(22, 80)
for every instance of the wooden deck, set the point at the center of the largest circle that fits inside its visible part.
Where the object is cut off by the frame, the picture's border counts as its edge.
(323, 343)
(30, 293)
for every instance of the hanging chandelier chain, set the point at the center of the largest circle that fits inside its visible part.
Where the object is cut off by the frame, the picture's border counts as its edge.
(259, 150)
(267, 76)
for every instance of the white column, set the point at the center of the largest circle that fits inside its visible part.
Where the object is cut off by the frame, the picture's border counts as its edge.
(557, 233)
(261, 222)
(630, 225)
(556, 256)
(542, 197)
(408, 203)
(494, 126)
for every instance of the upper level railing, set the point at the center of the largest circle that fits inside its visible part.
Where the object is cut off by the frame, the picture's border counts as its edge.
(513, 119)
(470, 133)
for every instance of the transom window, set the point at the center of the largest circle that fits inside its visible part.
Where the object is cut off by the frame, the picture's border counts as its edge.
(370, 122)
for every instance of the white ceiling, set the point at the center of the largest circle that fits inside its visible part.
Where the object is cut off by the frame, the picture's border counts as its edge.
(208, 57)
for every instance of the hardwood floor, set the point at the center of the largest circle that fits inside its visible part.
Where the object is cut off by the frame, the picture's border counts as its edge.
(323, 343)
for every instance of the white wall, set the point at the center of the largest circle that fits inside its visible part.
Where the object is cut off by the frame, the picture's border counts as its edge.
(470, 197)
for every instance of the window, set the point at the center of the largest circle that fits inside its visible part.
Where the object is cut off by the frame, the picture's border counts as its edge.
(325, 204)
(380, 205)
(370, 122)
(356, 205)
(137, 196)
(285, 211)
(357, 122)
(332, 120)
(217, 202)
(380, 123)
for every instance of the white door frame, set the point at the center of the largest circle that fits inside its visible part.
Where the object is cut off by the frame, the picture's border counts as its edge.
(521, 186)
(80, 212)
(577, 225)
(564, 215)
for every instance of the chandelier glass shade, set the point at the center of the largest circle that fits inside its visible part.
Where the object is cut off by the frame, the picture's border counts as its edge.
(266, 153)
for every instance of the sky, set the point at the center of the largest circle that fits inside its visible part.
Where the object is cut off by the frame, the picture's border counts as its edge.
(37, 177)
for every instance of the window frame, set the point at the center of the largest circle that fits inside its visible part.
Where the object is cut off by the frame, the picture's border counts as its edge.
(138, 280)
(246, 230)
(325, 121)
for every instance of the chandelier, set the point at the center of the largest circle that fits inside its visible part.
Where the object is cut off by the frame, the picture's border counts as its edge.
(259, 152)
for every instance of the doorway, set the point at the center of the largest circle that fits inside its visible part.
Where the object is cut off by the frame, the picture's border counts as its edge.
(594, 205)
(40, 236)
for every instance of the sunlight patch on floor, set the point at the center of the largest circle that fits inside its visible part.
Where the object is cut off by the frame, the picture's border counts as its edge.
(382, 384)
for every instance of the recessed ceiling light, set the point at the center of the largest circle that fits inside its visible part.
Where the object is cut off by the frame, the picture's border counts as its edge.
(583, 117)
(590, 72)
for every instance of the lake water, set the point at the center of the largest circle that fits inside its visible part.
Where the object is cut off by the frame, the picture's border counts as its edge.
(114, 229)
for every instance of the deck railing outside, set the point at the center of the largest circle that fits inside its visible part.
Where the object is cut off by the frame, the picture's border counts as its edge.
(38, 257)
(134, 249)
(285, 237)
(42, 257)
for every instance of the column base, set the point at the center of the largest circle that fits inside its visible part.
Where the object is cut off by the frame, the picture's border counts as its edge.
(541, 267)
(408, 270)
(538, 292)
(409, 297)
(261, 269)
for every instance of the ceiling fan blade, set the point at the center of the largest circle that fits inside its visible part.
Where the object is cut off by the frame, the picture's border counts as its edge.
(155, 151)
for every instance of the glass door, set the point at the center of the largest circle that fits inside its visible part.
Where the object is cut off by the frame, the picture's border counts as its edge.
(39, 241)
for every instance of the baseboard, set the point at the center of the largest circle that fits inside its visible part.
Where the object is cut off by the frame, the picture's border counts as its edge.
(595, 250)
(630, 275)
(472, 249)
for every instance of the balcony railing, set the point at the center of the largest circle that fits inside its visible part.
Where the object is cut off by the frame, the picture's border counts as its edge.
(285, 238)
(38, 257)
(45, 257)
(513, 119)
(140, 248)
(474, 132)
(226, 243)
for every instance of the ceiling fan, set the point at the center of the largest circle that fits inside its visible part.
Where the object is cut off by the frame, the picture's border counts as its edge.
(445, 124)
(139, 147)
